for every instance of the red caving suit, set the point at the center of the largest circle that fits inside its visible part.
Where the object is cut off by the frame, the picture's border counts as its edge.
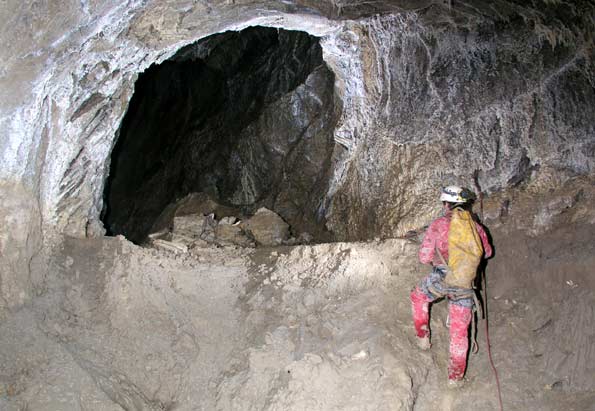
(459, 311)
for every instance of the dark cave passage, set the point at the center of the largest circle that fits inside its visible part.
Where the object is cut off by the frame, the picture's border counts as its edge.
(245, 118)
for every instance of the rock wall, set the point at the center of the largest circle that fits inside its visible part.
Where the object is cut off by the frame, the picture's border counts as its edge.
(430, 92)
(20, 244)
(246, 117)
(67, 78)
(494, 98)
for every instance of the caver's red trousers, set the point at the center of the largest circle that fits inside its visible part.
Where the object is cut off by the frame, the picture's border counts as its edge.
(460, 318)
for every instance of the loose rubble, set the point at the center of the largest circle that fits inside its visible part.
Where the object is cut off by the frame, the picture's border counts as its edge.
(193, 224)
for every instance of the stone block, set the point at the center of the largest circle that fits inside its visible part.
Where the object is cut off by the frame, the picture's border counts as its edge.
(266, 227)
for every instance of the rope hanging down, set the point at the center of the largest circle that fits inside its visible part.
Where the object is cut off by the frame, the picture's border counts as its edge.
(485, 293)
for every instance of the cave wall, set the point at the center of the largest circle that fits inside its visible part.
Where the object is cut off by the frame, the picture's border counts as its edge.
(68, 74)
(246, 117)
(499, 98)
(429, 92)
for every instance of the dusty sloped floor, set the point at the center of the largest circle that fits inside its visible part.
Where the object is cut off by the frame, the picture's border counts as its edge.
(324, 327)
(543, 317)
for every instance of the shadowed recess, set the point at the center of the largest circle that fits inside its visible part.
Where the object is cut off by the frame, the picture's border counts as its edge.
(245, 117)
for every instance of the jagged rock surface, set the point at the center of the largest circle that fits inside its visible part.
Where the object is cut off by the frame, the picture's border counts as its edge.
(246, 117)
(426, 93)
(498, 98)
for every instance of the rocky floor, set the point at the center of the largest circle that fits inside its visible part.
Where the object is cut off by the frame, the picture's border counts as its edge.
(321, 327)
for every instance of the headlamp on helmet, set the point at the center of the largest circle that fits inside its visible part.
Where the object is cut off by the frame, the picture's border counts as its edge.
(457, 195)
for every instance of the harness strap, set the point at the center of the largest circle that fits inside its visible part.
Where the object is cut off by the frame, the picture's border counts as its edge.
(454, 294)
(442, 260)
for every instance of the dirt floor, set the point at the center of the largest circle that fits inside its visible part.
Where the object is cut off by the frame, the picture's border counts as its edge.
(542, 306)
(323, 327)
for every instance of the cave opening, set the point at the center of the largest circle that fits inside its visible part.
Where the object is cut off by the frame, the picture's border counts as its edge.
(233, 123)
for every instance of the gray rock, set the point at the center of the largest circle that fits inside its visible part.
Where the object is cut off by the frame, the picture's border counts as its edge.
(209, 228)
(266, 227)
(305, 238)
(198, 244)
(228, 221)
(232, 234)
(191, 225)
(181, 239)
(175, 247)
(187, 215)
(162, 234)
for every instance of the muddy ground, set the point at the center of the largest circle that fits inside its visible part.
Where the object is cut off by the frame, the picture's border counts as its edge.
(322, 327)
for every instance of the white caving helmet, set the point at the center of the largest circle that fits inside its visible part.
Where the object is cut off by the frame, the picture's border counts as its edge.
(456, 194)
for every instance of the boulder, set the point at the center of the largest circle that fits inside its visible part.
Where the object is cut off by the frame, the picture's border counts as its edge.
(232, 234)
(197, 230)
(174, 247)
(266, 227)
(195, 226)
(191, 225)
